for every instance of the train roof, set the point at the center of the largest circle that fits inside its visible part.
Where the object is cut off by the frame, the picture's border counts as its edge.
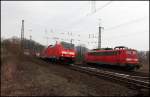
(117, 48)
(104, 49)
(111, 50)
(67, 45)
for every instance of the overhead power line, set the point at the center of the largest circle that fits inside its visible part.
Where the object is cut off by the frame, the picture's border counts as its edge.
(96, 10)
(82, 18)
(128, 35)
(126, 23)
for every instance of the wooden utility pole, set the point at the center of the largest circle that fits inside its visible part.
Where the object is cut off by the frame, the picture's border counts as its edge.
(22, 35)
(30, 43)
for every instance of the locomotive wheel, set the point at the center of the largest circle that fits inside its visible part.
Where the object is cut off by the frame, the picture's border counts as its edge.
(70, 61)
(132, 68)
(65, 60)
(84, 62)
(135, 69)
(129, 67)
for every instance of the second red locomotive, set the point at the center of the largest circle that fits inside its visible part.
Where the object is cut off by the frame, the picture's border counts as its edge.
(120, 56)
(61, 51)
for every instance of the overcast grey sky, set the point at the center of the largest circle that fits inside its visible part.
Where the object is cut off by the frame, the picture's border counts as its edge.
(125, 22)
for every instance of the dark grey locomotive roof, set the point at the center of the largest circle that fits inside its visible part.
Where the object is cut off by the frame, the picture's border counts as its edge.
(67, 45)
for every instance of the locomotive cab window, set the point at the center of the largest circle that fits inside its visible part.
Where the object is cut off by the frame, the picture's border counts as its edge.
(118, 52)
(129, 52)
(51, 46)
(133, 52)
(67, 45)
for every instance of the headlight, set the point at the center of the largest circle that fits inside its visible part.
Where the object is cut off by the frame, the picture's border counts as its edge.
(128, 59)
(135, 59)
(63, 52)
(72, 53)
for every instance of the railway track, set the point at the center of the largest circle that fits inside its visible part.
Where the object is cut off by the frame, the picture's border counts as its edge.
(117, 69)
(134, 82)
(138, 83)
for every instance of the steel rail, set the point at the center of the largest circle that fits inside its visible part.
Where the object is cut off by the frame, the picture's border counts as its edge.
(115, 76)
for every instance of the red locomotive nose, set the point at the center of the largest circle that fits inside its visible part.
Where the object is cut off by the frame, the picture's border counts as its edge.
(60, 52)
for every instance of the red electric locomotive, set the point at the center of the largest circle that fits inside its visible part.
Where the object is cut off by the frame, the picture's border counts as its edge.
(61, 51)
(120, 56)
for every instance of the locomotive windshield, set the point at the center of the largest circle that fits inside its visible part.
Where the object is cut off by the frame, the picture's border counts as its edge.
(67, 45)
(131, 52)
